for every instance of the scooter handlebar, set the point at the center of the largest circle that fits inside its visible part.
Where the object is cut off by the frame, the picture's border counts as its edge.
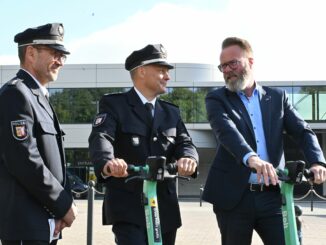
(171, 168)
(284, 175)
(308, 174)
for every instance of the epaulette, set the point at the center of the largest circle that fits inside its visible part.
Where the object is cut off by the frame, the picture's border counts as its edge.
(113, 94)
(169, 103)
(14, 81)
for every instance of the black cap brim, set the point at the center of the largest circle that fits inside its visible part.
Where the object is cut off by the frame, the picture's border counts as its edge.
(60, 48)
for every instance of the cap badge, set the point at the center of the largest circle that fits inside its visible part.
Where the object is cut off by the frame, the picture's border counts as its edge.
(60, 30)
(164, 54)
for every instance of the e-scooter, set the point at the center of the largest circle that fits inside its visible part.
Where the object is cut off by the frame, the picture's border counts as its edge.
(291, 175)
(155, 170)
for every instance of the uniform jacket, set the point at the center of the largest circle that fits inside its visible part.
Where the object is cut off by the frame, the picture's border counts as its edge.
(121, 130)
(32, 163)
(228, 177)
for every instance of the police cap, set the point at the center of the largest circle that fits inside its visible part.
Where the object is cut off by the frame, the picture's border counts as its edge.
(151, 54)
(50, 35)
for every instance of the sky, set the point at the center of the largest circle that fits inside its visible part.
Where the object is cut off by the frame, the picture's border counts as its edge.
(288, 37)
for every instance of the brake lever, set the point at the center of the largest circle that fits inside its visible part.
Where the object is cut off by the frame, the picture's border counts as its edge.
(136, 177)
(308, 175)
(282, 175)
(182, 177)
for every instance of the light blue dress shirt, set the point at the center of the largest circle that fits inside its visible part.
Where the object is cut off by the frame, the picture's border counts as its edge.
(253, 108)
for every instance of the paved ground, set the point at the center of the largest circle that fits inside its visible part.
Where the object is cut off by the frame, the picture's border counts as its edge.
(199, 226)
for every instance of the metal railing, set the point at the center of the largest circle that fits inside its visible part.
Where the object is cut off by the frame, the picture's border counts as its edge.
(311, 193)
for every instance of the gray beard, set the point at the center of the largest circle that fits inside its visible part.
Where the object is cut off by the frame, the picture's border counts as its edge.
(241, 83)
(236, 86)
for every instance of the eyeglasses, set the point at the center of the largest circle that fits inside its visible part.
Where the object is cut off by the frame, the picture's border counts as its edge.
(233, 64)
(56, 54)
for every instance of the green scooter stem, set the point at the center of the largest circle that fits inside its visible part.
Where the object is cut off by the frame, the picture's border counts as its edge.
(152, 213)
(153, 224)
(152, 172)
(289, 223)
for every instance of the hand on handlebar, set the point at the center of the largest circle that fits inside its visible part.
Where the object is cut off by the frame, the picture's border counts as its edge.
(319, 173)
(264, 169)
(115, 167)
(186, 166)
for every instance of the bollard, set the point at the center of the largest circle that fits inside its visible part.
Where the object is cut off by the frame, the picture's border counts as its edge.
(201, 189)
(298, 220)
(90, 203)
(312, 197)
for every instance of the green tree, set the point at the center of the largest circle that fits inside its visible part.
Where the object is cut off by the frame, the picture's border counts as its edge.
(184, 98)
(78, 105)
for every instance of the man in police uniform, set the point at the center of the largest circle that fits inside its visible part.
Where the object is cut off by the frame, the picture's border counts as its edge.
(124, 132)
(35, 201)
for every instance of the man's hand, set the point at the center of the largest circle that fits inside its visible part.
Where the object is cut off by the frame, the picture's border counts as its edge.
(186, 166)
(264, 169)
(70, 215)
(319, 173)
(116, 167)
(59, 226)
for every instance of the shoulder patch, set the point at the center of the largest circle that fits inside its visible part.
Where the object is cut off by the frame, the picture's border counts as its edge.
(19, 129)
(99, 119)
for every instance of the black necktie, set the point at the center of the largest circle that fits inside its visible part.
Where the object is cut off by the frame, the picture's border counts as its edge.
(149, 108)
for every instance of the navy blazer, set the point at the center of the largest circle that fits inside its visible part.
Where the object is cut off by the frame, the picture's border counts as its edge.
(232, 127)
(122, 130)
(32, 165)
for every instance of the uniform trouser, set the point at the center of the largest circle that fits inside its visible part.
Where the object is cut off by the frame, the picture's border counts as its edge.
(260, 211)
(131, 234)
(6, 242)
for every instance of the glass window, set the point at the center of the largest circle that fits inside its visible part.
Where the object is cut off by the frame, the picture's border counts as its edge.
(304, 101)
(184, 98)
(309, 101)
(77, 157)
(79, 164)
(78, 105)
(200, 106)
(321, 103)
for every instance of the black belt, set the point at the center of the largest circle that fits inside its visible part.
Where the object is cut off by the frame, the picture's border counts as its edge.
(262, 187)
